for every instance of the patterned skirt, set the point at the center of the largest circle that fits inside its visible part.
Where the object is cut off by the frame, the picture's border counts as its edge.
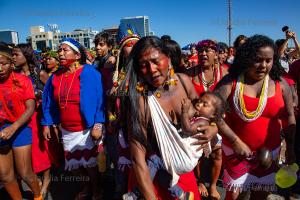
(80, 149)
(246, 174)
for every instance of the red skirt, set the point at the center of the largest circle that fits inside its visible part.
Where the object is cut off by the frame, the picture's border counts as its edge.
(187, 182)
(44, 153)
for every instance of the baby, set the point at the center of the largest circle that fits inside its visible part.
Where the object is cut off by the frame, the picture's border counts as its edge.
(205, 111)
(208, 109)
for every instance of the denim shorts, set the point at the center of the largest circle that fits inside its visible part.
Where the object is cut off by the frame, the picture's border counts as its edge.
(22, 137)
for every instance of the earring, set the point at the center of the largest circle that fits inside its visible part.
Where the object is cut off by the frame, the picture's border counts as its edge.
(140, 87)
(76, 64)
(171, 73)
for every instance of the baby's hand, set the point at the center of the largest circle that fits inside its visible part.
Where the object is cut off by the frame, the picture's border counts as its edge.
(185, 105)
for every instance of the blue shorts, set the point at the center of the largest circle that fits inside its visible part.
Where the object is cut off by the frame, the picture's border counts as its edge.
(22, 137)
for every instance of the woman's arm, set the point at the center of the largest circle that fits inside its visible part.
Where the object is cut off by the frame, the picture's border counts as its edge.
(297, 46)
(25, 117)
(290, 130)
(188, 128)
(224, 88)
(142, 174)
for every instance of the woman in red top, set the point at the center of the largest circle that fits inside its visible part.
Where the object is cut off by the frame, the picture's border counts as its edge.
(259, 99)
(16, 108)
(73, 98)
(206, 76)
(208, 73)
(26, 63)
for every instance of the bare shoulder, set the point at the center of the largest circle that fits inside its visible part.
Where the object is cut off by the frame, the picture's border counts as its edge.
(184, 77)
(187, 83)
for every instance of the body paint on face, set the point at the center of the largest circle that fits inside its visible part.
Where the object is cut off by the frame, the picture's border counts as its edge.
(67, 62)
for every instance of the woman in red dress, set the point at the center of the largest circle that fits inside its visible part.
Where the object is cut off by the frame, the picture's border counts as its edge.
(259, 100)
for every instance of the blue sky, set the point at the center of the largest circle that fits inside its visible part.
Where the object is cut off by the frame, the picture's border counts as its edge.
(185, 21)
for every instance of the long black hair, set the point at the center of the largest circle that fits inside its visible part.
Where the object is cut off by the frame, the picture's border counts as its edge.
(130, 107)
(246, 54)
(33, 64)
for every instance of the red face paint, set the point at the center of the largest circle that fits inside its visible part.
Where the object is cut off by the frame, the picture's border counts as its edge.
(66, 62)
(131, 43)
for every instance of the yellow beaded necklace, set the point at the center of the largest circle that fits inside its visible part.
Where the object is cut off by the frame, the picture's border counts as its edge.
(239, 102)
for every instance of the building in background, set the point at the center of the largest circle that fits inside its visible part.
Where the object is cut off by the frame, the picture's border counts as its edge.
(141, 23)
(41, 39)
(9, 36)
(113, 31)
(84, 36)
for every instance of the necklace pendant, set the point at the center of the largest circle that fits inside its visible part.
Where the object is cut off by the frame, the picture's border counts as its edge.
(158, 94)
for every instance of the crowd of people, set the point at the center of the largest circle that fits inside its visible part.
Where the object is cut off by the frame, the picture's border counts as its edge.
(155, 113)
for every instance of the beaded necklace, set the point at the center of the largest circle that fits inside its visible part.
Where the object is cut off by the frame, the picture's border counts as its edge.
(239, 104)
(207, 85)
(67, 98)
(141, 87)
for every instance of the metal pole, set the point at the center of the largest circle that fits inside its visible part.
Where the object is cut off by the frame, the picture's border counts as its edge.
(229, 27)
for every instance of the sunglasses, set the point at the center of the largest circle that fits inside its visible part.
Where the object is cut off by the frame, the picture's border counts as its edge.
(206, 49)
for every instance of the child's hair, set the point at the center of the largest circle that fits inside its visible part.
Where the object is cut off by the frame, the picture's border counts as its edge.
(220, 105)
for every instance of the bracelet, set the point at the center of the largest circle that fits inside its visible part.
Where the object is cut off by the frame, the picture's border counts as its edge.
(98, 126)
(213, 124)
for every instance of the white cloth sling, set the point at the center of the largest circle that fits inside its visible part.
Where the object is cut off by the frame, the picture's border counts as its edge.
(178, 155)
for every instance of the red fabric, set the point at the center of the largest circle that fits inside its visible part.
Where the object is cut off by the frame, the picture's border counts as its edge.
(294, 73)
(199, 86)
(40, 157)
(193, 59)
(14, 92)
(187, 182)
(237, 167)
(69, 87)
(44, 153)
(288, 79)
(265, 130)
(84, 153)
(225, 66)
(55, 150)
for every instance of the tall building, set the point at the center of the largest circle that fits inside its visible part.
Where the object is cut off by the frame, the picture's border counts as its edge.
(9, 36)
(141, 23)
(41, 39)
